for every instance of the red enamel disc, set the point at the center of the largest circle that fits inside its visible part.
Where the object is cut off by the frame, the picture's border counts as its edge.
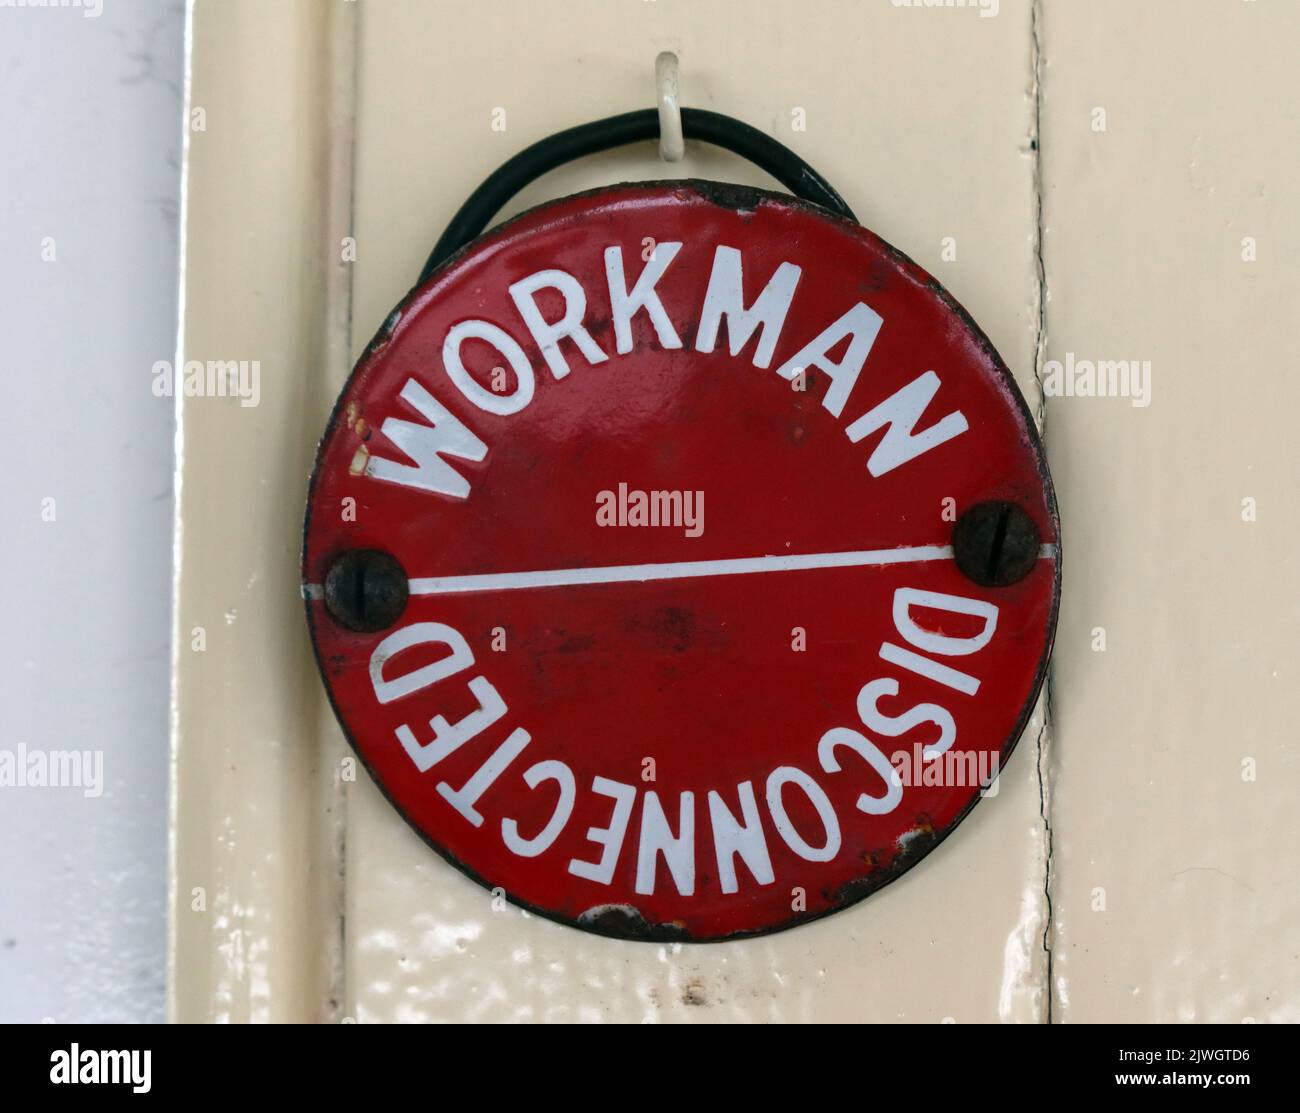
(728, 553)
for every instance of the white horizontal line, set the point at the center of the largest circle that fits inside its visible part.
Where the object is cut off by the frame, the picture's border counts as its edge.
(682, 569)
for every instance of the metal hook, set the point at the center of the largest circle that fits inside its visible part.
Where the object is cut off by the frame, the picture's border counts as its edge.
(672, 144)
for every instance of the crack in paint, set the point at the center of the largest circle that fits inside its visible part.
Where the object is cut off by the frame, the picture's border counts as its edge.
(1040, 352)
(1044, 812)
(1036, 147)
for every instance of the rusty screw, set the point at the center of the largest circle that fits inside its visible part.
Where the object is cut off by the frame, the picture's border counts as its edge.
(995, 543)
(366, 590)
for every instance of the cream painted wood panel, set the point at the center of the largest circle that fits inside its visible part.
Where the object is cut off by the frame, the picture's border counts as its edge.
(319, 903)
(261, 812)
(958, 937)
(1175, 893)
(255, 924)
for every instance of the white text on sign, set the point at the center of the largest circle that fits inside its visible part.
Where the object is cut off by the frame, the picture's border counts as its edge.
(440, 435)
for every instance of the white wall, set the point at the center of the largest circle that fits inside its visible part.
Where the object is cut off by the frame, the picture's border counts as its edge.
(90, 127)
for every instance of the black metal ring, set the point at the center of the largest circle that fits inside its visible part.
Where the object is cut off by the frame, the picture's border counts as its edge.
(617, 131)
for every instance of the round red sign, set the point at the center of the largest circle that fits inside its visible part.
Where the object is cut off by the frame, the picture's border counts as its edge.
(681, 561)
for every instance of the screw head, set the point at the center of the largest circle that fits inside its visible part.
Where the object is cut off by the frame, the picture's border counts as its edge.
(366, 590)
(995, 543)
